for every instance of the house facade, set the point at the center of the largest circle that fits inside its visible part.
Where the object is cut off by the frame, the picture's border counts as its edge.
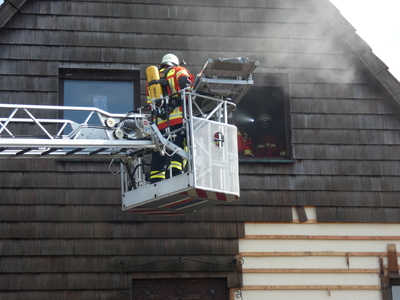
(319, 220)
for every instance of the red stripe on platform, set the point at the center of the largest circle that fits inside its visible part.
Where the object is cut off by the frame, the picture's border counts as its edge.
(221, 196)
(201, 193)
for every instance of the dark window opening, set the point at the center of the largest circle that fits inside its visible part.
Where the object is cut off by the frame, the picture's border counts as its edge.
(263, 120)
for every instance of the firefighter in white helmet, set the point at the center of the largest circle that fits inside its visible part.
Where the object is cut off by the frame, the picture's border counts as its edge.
(267, 143)
(173, 78)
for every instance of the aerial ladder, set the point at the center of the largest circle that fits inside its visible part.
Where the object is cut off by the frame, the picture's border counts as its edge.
(211, 174)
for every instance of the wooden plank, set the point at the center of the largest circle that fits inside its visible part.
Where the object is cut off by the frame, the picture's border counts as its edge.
(314, 245)
(62, 180)
(340, 105)
(96, 212)
(326, 183)
(356, 271)
(347, 152)
(311, 262)
(143, 56)
(324, 230)
(322, 237)
(145, 40)
(345, 136)
(320, 198)
(309, 90)
(27, 67)
(306, 279)
(209, 13)
(301, 213)
(30, 83)
(95, 229)
(328, 76)
(358, 214)
(64, 281)
(311, 253)
(143, 25)
(99, 247)
(103, 264)
(260, 213)
(299, 4)
(312, 287)
(311, 294)
(393, 268)
(345, 121)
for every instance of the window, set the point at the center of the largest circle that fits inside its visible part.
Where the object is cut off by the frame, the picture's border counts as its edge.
(111, 90)
(395, 292)
(263, 120)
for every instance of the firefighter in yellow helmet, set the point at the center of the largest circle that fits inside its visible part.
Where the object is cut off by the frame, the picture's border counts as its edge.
(267, 143)
(176, 78)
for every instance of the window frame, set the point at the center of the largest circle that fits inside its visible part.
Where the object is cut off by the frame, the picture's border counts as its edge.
(99, 75)
(271, 79)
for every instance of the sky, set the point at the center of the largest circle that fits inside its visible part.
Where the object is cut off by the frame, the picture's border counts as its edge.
(376, 23)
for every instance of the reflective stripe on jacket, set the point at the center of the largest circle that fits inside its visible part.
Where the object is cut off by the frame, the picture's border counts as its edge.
(177, 78)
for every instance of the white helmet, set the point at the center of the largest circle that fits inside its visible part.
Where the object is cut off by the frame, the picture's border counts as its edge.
(170, 59)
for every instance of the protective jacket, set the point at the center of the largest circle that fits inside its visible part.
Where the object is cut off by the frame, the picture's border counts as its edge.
(268, 146)
(245, 144)
(177, 78)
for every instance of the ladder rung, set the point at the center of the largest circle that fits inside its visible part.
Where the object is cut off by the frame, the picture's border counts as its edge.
(49, 151)
(74, 151)
(23, 151)
(97, 151)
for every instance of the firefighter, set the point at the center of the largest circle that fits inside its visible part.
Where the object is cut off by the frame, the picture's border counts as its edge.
(244, 141)
(245, 144)
(267, 143)
(170, 115)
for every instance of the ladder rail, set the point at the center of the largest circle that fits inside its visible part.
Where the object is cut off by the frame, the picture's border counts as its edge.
(29, 108)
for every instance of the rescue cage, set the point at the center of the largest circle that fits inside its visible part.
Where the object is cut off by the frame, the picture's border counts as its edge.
(211, 174)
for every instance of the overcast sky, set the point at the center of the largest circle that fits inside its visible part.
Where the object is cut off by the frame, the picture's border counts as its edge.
(377, 24)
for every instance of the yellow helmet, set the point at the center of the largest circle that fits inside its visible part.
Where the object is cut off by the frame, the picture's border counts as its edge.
(170, 59)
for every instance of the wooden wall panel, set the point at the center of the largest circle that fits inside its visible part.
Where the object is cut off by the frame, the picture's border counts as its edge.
(349, 121)
(61, 223)
(341, 106)
(345, 136)
(359, 214)
(311, 257)
(347, 152)
(92, 230)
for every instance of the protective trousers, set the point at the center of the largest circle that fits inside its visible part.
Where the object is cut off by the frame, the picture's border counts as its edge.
(160, 165)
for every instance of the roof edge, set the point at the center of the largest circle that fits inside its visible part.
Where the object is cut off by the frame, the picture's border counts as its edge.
(8, 9)
(364, 52)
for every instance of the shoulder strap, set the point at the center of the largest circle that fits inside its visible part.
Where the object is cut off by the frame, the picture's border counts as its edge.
(164, 81)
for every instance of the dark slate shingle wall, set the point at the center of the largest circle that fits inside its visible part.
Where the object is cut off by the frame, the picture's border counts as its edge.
(61, 225)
